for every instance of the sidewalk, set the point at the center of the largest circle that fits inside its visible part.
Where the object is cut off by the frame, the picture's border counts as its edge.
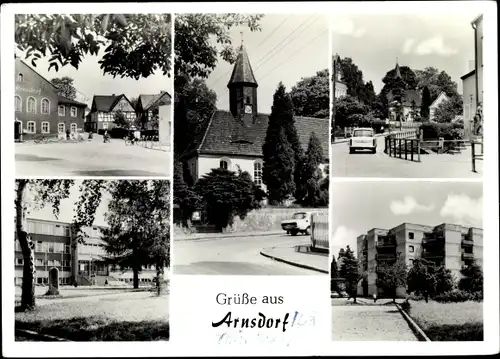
(203, 236)
(311, 261)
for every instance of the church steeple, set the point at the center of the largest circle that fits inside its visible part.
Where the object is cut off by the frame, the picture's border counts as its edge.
(243, 89)
(398, 72)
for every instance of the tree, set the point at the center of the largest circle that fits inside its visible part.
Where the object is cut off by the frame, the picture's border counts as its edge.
(281, 118)
(184, 196)
(424, 277)
(472, 279)
(279, 165)
(414, 112)
(392, 276)
(334, 275)
(426, 103)
(120, 120)
(194, 105)
(391, 81)
(369, 94)
(351, 270)
(195, 54)
(352, 76)
(138, 232)
(65, 86)
(346, 107)
(436, 82)
(37, 194)
(311, 173)
(311, 95)
(122, 39)
(134, 101)
(226, 194)
(446, 111)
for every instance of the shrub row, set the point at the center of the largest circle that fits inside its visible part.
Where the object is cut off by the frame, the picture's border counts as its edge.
(456, 295)
(449, 131)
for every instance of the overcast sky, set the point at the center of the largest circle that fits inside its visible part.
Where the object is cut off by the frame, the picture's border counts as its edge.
(361, 206)
(375, 41)
(89, 79)
(289, 47)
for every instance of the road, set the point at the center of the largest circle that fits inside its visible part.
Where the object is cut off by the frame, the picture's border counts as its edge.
(366, 164)
(368, 323)
(235, 256)
(93, 158)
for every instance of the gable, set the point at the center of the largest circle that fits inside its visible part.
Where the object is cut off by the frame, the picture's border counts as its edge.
(123, 105)
(441, 98)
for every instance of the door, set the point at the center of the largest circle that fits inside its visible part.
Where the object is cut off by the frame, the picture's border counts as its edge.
(17, 130)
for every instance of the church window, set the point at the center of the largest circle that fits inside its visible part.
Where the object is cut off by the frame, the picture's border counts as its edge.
(257, 173)
(225, 163)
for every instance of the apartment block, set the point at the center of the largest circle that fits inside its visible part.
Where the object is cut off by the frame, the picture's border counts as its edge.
(450, 245)
(56, 247)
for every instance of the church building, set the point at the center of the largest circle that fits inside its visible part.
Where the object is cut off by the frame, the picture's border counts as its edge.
(233, 139)
(412, 100)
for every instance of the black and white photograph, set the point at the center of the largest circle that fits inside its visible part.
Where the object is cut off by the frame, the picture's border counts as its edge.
(407, 261)
(409, 104)
(93, 94)
(251, 148)
(92, 260)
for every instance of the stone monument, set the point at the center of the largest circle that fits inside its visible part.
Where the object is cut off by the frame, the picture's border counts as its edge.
(53, 282)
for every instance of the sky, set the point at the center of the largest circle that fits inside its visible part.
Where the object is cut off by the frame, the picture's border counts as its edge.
(374, 42)
(89, 79)
(67, 207)
(361, 206)
(289, 47)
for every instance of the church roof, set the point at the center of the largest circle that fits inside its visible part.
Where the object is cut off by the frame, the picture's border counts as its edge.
(228, 136)
(242, 71)
(398, 71)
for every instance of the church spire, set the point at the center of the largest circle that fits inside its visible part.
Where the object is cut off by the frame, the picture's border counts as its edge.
(242, 71)
(398, 72)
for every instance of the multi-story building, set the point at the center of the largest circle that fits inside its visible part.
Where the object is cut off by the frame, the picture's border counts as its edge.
(56, 247)
(472, 82)
(103, 111)
(39, 109)
(450, 245)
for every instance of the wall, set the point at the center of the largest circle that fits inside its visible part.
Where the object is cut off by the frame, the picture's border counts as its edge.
(165, 124)
(453, 248)
(432, 109)
(469, 90)
(33, 85)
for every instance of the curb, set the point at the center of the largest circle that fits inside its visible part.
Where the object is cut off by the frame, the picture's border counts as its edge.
(39, 337)
(228, 235)
(420, 334)
(304, 266)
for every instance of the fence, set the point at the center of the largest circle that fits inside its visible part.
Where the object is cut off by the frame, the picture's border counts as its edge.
(319, 230)
(476, 155)
(404, 125)
(403, 148)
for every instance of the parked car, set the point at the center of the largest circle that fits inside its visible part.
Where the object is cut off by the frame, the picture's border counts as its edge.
(363, 139)
(300, 222)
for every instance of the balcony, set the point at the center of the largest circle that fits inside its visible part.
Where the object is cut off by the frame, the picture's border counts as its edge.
(385, 256)
(433, 240)
(467, 242)
(386, 244)
(467, 255)
(433, 254)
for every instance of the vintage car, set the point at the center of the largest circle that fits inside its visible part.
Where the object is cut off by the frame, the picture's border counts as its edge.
(300, 222)
(363, 139)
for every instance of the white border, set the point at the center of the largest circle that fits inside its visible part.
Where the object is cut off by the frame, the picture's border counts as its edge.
(188, 345)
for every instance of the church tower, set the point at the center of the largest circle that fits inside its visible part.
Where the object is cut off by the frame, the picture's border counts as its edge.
(243, 90)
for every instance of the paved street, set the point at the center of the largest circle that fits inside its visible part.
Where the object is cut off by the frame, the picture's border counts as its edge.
(235, 256)
(90, 158)
(368, 323)
(365, 164)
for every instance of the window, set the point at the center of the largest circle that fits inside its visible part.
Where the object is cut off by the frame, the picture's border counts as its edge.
(50, 262)
(257, 173)
(411, 249)
(31, 105)
(39, 262)
(51, 247)
(57, 263)
(39, 280)
(39, 246)
(61, 128)
(66, 248)
(19, 261)
(19, 104)
(61, 110)
(45, 127)
(58, 247)
(73, 111)
(73, 127)
(20, 77)
(362, 133)
(411, 235)
(411, 262)
(31, 127)
(45, 106)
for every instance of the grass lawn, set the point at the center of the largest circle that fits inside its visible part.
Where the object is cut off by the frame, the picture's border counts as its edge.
(449, 321)
(135, 316)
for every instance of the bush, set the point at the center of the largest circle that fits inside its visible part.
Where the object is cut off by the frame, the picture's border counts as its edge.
(449, 131)
(416, 297)
(406, 306)
(456, 296)
(118, 132)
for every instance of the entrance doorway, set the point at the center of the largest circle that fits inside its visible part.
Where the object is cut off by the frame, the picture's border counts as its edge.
(17, 130)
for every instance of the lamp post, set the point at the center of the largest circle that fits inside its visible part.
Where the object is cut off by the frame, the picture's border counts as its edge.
(336, 60)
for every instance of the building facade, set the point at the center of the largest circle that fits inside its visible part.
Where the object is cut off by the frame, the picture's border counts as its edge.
(434, 105)
(472, 82)
(450, 245)
(233, 139)
(155, 112)
(56, 247)
(103, 111)
(39, 108)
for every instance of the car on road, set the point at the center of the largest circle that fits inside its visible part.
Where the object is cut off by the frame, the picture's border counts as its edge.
(363, 139)
(300, 222)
